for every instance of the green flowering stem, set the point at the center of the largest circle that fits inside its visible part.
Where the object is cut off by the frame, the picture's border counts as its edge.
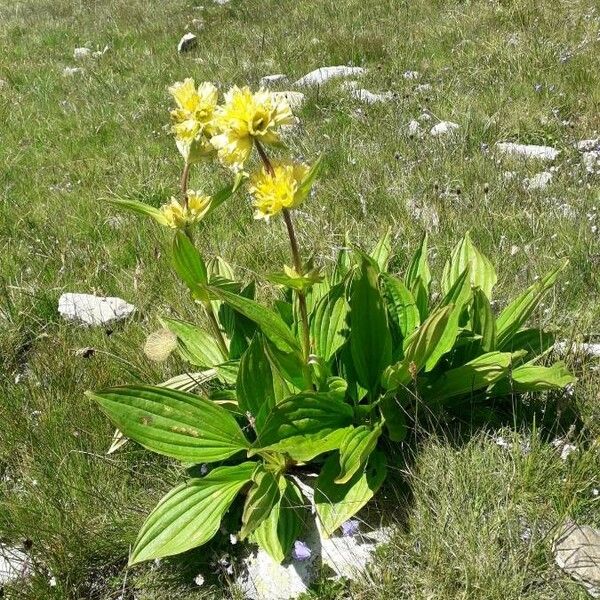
(185, 177)
(208, 307)
(287, 217)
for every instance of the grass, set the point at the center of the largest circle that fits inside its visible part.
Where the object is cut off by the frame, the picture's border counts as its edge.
(69, 142)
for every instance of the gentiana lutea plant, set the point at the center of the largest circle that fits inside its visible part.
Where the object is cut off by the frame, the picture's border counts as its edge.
(324, 378)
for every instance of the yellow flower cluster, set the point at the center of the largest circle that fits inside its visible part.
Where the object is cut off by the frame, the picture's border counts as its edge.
(201, 127)
(193, 123)
(277, 190)
(179, 216)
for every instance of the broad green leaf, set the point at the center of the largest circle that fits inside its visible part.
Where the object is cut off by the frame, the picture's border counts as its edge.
(336, 503)
(457, 297)
(177, 424)
(473, 376)
(531, 378)
(261, 499)
(278, 532)
(535, 341)
(355, 449)
(223, 194)
(140, 208)
(401, 304)
(394, 416)
(271, 324)
(194, 344)
(289, 366)
(254, 384)
(303, 424)
(227, 371)
(307, 183)
(420, 346)
(482, 272)
(370, 338)
(186, 382)
(382, 251)
(483, 322)
(519, 310)
(418, 278)
(328, 326)
(190, 514)
(189, 265)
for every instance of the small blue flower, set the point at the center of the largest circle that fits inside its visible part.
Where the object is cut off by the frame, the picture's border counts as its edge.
(301, 551)
(350, 528)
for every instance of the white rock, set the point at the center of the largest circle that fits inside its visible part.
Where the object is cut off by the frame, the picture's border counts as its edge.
(588, 145)
(81, 53)
(443, 128)
(411, 75)
(591, 161)
(221, 2)
(264, 579)
(577, 552)
(71, 71)
(423, 87)
(348, 86)
(268, 80)
(14, 564)
(590, 349)
(539, 181)
(528, 151)
(424, 116)
(320, 76)
(370, 97)
(187, 42)
(414, 127)
(350, 556)
(93, 310)
(294, 99)
(198, 24)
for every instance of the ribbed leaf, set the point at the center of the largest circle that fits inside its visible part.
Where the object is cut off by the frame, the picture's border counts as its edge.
(190, 514)
(329, 327)
(483, 322)
(418, 278)
(420, 346)
(194, 344)
(519, 310)
(336, 503)
(473, 376)
(457, 297)
(531, 378)
(370, 337)
(277, 533)
(261, 499)
(271, 324)
(401, 304)
(305, 425)
(355, 449)
(534, 341)
(382, 251)
(177, 424)
(140, 208)
(188, 264)
(482, 272)
(254, 384)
